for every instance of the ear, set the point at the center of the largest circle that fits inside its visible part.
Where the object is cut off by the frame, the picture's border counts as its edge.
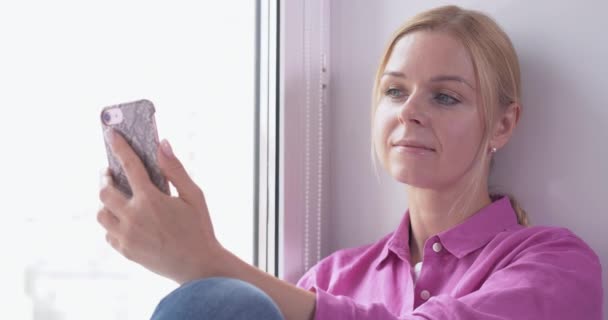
(505, 126)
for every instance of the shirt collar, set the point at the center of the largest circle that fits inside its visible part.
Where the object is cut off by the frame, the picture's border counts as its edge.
(480, 228)
(398, 243)
(460, 240)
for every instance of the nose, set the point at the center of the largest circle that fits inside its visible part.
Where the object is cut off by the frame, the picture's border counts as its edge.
(412, 111)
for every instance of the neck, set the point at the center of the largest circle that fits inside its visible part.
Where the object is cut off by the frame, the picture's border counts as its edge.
(433, 211)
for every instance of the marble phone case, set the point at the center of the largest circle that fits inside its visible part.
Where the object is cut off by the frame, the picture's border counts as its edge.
(138, 127)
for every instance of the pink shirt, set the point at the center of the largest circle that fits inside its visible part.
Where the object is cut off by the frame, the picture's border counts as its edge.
(487, 267)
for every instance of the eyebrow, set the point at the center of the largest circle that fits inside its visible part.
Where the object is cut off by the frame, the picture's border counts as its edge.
(438, 78)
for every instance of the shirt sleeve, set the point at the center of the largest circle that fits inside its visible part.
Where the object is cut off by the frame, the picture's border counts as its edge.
(556, 279)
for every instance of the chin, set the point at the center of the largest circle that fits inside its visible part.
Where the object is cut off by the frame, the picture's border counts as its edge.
(414, 178)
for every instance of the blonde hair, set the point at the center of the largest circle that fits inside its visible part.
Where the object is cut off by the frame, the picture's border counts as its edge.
(495, 65)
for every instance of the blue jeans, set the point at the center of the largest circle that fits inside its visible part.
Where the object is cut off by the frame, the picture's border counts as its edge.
(217, 298)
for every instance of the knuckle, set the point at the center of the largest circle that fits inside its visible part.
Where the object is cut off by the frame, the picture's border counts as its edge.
(144, 196)
(124, 240)
(125, 251)
(200, 197)
(127, 254)
(198, 192)
(138, 204)
(104, 194)
(113, 242)
(101, 216)
(136, 201)
(106, 219)
(126, 248)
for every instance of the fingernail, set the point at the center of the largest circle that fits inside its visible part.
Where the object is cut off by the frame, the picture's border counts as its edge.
(109, 134)
(165, 147)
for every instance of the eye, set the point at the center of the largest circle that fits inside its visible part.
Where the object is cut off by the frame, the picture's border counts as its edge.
(394, 93)
(445, 99)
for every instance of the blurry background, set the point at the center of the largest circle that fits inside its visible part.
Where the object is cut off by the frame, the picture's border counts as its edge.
(60, 63)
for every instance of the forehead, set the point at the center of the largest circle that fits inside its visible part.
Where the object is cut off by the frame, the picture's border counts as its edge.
(426, 54)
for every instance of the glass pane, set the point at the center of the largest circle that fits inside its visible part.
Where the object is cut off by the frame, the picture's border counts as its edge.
(61, 62)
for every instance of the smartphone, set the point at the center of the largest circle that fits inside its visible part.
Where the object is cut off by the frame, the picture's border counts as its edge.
(135, 122)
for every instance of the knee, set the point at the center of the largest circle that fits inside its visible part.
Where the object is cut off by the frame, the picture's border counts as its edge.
(217, 298)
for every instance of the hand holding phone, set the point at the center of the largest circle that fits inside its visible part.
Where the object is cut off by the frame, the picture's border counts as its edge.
(136, 123)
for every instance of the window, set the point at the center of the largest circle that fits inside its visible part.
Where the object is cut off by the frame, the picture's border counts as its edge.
(61, 62)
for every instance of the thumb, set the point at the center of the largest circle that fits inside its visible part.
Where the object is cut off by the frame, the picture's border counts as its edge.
(175, 172)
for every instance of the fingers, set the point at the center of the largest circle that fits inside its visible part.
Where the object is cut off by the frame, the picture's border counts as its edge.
(111, 197)
(131, 163)
(113, 241)
(108, 220)
(173, 169)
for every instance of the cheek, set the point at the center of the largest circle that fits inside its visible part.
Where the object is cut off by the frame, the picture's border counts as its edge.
(381, 128)
(461, 141)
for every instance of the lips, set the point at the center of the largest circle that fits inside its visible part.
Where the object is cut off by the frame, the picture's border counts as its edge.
(410, 143)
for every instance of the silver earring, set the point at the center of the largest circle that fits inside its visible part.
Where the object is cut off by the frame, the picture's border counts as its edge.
(493, 150)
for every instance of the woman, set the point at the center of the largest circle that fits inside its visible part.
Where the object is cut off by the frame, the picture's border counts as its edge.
(446, 98)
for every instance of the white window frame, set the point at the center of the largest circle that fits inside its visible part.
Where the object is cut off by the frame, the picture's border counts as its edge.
(293, 116)
(266, 134)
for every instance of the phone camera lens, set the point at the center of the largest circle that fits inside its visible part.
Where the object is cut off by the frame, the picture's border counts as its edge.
(107, 117)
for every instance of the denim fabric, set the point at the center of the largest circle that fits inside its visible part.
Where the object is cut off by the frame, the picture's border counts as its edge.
(218, 299)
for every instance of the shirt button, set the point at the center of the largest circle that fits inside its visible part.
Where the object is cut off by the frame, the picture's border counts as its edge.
(425, 294)
(437, 247)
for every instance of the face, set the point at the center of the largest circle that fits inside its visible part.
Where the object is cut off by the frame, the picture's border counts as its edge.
(427, 126)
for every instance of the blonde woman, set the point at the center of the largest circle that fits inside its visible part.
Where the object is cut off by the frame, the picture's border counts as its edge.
(445, 100)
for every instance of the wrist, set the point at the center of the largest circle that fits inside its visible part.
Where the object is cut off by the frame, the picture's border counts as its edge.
(213, 262)
(222, 263)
